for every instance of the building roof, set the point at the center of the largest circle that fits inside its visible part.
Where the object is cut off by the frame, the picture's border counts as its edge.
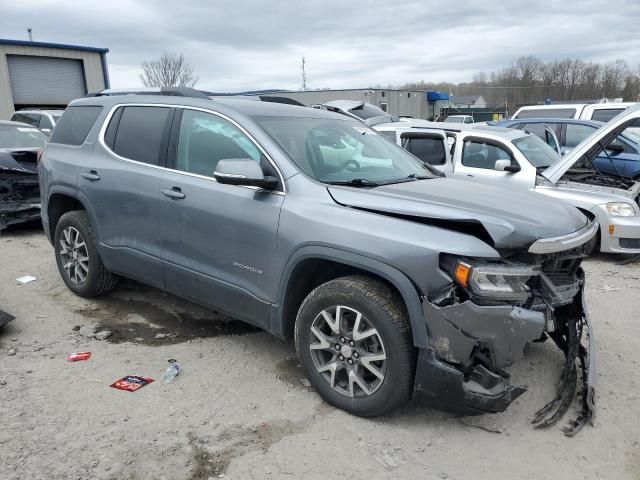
(62, 46)
(465, 99)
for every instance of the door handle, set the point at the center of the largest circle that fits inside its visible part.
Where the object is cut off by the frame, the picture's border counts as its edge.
(91, 175)
(173, 192)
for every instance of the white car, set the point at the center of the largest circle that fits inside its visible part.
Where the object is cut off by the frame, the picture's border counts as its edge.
(459, 119)
(45, 120)
(517, 159)
(602, 112)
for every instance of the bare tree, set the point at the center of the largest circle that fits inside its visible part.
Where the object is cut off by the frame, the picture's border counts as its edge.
(170, 70)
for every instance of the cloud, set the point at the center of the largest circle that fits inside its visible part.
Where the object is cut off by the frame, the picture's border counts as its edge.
(238, 45)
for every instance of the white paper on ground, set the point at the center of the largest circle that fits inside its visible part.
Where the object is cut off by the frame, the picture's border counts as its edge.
(26, 279)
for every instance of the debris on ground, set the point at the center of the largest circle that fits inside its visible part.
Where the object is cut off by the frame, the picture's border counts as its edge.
(26, 279)
(76, 357)
(102, 335)
(173, 370)
(131, 383)
(5, 318)
(12, 351)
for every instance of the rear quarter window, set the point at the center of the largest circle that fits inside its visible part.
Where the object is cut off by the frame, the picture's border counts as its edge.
(75, 124)
(605, 114)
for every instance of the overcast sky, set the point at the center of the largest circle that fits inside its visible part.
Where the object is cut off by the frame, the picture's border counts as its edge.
(238, 45)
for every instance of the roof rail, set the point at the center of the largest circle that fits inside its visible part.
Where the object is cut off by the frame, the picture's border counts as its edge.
(164, 91)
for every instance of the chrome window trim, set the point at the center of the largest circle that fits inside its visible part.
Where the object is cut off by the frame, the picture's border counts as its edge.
(107, 120)
(565, 242)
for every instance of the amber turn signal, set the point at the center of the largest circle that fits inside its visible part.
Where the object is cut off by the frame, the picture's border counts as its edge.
(462, 274)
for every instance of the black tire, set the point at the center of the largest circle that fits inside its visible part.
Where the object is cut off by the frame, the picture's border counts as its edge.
(593, 246)
(384, 311)
(98, 280)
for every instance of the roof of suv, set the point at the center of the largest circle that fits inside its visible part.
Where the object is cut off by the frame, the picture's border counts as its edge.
(249, 108)
(517, 121)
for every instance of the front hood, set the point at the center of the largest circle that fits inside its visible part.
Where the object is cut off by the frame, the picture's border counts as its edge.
(589, 147)
(512, 219)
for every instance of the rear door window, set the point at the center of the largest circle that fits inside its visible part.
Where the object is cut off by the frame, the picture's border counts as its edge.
(75, 125)
(429, 149)
(28, 118)
(140, 134)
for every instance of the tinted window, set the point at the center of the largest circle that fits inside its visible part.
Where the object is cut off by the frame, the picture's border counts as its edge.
(205, 139)
(428, 149)
(139, 134)
(367, 111)
(45, 122)
(605, 114)
(576, 133)
(482, 155)
(74, 125)
(547, 113)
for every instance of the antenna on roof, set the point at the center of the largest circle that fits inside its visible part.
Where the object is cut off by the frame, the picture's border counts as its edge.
(303, 87)
(30, 35)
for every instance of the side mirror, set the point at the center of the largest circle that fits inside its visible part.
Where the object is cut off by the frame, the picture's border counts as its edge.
(615, 147)
(245, 172)
(506, 166)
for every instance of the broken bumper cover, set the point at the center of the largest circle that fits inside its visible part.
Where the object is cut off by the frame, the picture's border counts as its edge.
(463, 372)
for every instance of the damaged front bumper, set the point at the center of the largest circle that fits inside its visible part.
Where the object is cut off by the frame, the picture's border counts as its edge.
(463, 371)
(19, 199)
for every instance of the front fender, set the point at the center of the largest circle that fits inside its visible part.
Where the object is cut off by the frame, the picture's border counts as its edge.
(399, 280)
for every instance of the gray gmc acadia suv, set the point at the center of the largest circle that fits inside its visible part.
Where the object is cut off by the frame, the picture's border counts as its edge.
(392, 279)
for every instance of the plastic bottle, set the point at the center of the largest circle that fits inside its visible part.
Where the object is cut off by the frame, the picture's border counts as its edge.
(172, 371)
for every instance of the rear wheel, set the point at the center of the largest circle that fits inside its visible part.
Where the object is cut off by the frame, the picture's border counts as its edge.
(354, 343)
(77, 258)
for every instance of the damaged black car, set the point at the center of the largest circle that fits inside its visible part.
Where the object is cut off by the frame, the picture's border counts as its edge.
(20, 146)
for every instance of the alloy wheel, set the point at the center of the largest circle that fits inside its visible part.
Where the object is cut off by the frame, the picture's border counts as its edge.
(74, 255)
(348, 351)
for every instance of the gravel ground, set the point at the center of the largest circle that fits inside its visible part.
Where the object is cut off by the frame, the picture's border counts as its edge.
(239, 409)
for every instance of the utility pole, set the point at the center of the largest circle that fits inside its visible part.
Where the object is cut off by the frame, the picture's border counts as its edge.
(304, 76)
(30, 35)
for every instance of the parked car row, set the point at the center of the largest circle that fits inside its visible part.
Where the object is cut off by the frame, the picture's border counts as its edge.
(392, 278)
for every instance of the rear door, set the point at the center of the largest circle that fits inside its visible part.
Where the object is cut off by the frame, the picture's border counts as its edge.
(430, 147)
(121, 182)
(219, 241)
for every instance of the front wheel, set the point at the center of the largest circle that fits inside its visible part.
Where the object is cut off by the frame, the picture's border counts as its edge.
(354, 343)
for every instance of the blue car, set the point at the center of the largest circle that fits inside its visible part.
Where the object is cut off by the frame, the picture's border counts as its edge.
(621, 158)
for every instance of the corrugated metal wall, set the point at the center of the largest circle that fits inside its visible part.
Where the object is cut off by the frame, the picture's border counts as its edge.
(92, 63)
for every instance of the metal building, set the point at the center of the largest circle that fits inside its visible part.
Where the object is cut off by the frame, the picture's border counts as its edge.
(40, 74)
(415, 103)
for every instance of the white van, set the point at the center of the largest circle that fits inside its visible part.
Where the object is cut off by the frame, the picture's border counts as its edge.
(602, 112)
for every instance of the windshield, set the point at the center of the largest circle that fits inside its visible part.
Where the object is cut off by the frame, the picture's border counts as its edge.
(333, 151)
(536, 151)
(367, 111)
(21, 137)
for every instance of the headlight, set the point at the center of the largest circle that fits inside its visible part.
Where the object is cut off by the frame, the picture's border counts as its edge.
(498, 282)
(620, 209)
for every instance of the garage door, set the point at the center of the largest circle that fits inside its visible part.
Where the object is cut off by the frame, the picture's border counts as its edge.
(45, 80)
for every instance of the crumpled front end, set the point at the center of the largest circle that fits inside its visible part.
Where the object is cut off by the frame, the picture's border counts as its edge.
(473, 337)
(19, 198)
(19, 187)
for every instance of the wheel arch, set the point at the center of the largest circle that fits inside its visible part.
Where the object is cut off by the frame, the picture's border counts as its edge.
(327, 263)
(62, 200)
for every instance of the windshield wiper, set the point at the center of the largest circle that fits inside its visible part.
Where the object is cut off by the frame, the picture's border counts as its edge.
(356, 182)
(409, 178)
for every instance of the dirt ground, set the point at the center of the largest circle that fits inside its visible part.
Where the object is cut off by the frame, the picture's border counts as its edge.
(239, 409)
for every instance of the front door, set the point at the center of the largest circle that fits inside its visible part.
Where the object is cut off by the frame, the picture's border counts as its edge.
(219, 241)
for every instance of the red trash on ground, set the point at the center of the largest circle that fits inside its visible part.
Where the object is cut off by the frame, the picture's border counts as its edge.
(131, 383)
